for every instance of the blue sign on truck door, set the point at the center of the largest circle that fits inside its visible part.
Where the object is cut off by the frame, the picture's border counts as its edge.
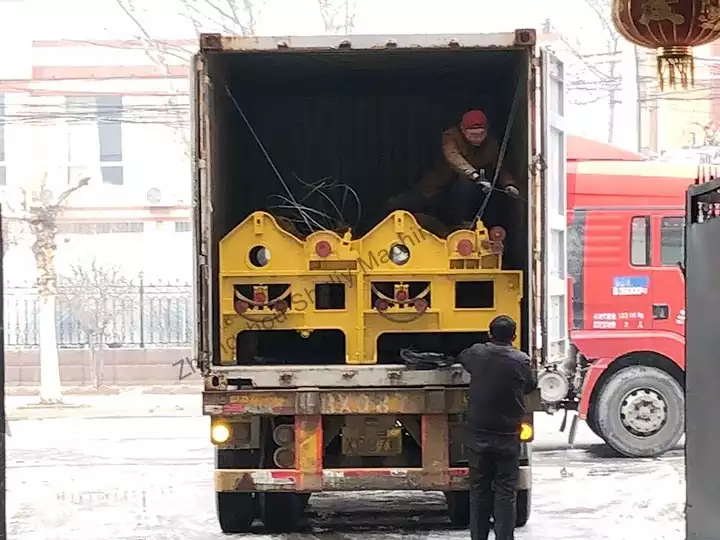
(630, 285)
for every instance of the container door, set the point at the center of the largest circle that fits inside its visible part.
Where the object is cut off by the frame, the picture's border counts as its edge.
(554, 335)
(201, 214)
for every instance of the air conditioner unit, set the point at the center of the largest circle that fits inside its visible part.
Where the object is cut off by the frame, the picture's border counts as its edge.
(154, 196)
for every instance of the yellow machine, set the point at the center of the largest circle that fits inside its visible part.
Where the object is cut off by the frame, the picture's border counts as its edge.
(398, 277)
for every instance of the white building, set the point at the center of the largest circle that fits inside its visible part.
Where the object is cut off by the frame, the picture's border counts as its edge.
(113, 112)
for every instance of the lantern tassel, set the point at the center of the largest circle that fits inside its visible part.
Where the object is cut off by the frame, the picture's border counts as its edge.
(677, 65)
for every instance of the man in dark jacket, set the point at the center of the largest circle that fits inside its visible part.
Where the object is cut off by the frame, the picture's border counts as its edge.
(500, 377)
(454, 189)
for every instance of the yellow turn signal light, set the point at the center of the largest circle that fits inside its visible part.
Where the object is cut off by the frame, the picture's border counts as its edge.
(219, 433)
(526, 432)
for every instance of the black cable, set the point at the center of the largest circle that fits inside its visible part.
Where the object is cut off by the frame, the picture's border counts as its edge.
(425, 360)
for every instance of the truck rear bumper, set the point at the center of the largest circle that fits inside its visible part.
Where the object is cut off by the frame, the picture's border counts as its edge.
(310, 407)
(290, 480)
(342, 376)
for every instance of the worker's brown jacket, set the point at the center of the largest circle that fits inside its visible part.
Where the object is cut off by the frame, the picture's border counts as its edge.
(463, 159)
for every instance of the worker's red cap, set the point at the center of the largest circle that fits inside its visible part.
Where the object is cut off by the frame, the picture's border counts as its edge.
(474, 119)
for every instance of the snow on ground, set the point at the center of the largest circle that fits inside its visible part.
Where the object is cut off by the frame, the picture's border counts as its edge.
(151, 477)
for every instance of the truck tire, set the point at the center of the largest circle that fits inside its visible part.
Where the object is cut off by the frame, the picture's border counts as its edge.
(458, 508)
(640, 412)
(523, 503)
(281, 512)
(235, 511)
(592, 423)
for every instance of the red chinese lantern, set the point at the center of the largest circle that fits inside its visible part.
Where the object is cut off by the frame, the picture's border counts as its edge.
(673, 27)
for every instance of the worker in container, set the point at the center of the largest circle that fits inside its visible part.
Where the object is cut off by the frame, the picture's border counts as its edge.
(500, 377)
(454, 190)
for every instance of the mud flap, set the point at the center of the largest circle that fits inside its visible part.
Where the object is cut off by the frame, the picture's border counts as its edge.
(573, 427)
(573, 430)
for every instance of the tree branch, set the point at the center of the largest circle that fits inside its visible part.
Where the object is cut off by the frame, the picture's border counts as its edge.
(330, 10)
(603, 15)
(65, 194)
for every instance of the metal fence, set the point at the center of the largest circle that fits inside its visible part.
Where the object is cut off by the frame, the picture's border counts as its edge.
(136, 315)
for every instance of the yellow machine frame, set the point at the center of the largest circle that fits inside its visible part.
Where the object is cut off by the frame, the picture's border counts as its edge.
(466, 255)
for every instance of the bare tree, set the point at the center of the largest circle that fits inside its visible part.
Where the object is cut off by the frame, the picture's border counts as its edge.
(94, 294)
(234, 17)
(11, 230)
(338, 16)
(595, 74)
(36, 215)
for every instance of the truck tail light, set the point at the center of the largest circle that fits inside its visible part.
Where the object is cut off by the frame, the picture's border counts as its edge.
(527, 432)
(220, 433)
(284, 434)
(284, 458)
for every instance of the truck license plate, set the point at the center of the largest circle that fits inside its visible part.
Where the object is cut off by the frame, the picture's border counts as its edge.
(381, 443)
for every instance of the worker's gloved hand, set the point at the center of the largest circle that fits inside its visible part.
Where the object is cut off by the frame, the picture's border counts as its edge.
(512, 191)
(480, 179)
(485, 185)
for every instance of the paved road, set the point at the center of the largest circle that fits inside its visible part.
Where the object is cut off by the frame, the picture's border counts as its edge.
(150, 478)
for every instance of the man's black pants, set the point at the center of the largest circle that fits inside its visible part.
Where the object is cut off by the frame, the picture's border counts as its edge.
(494, 464)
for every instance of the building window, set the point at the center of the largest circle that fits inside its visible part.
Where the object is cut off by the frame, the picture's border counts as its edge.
(81, 140)
(95, 138)
(82, 227)
(672, 240)
(640, 241)
(3, 121)
(109, 125)
(182, 226)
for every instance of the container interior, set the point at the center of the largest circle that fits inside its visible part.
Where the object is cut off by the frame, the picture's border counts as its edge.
(369, 119)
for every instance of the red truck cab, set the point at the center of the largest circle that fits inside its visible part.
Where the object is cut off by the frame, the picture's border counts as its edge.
(626, 295)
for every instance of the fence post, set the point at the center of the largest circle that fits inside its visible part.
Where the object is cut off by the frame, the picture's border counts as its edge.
(142, 311)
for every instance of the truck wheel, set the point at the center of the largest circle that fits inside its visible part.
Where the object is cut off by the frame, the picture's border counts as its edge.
(458, 508)
(641, 412)
(235, 511)
(281, 512)
(592, 423)
(523, 503)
